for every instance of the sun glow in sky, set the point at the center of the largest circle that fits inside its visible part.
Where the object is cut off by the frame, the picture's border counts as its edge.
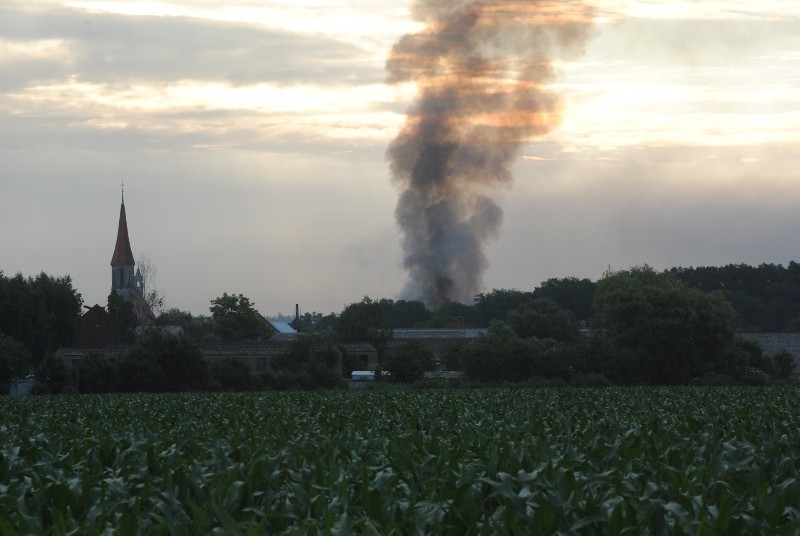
(230, 120)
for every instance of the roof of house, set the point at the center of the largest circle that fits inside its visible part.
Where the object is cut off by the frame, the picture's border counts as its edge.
(281, 327)
(123, 256)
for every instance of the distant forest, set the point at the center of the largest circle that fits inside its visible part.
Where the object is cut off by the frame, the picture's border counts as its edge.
(766, 298)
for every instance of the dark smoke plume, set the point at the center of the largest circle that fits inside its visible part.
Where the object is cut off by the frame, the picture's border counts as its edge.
(481, 68)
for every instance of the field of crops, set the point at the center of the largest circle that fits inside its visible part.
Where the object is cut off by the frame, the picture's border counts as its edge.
(518, 461)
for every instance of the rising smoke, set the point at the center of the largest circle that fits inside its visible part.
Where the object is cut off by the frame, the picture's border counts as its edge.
(481, 68)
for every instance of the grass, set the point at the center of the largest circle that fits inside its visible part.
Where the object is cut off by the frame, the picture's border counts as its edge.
(484, 461)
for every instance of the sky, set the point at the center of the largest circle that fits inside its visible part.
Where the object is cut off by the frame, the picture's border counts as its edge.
(251, 137)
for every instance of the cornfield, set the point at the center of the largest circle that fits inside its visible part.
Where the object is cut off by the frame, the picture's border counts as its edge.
(484, 461)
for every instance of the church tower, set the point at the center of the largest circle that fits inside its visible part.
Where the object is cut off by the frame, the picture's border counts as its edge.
(123, 279)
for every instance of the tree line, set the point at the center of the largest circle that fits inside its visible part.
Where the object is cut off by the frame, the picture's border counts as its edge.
(675, 326)
(159, 362)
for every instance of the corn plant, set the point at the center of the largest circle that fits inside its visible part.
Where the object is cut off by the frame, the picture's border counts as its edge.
(484, 461)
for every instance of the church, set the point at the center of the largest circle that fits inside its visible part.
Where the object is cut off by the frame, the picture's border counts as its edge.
(96, 328)
(98, 335)
(124, 282)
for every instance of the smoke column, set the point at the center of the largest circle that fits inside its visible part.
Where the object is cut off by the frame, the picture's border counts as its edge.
(481, 68)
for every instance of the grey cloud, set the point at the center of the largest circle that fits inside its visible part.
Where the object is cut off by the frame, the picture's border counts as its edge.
(663, 206)
(65, 131)
(115, 48)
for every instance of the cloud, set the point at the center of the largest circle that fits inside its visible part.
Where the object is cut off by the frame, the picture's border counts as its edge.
(113, 48)
(85, 79)
(695, 43)
(253, 156)
(663, 206)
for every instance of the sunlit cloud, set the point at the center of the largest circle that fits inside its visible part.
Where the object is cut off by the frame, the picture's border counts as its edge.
(370, 24)
(693, 9)
(338, 113)
(50, 49)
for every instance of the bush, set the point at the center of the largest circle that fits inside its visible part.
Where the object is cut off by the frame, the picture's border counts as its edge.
(544, 319)
(311, 362)
(499, 356)
(410, 361)
(590, 380)
(713, 380)
(52, 376)
(755, 377)
(97, 374)
(229, 374)
(785, 365)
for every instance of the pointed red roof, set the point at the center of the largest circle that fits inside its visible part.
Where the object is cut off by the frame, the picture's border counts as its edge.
(123, 256)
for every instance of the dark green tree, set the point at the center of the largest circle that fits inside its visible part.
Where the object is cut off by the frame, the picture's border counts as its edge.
(785, 365)
(765, 297)
(543, 319)
(15, 361)
(122, 316)
(570, 293)
(366, 321)
(500, 356)
(676, 333)
(41, 312)
(52, 376)
(197, 328)
(407, 313)
(409, 362)
(236, 319)
(454, 314)
(229, 374)
(97, 374)
(311, 362)
(496, 305)
(160, 362)
(316, 322)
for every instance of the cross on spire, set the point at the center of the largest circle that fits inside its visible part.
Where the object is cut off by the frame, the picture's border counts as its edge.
(123, 190)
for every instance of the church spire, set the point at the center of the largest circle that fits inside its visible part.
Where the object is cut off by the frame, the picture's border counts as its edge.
(123, 256)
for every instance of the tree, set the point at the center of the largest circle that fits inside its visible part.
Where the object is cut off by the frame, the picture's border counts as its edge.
(410, 361)
(676, 333)
(172, 363)
(229, 374)
(765, 298)
(122, 316)
(543, 319)
(496, 305)
(236, 319)
(311, 362)
(15, 361)
(366, 321)
(407, 313)
(500, 356)
(42, 312)
(52, 376)
(454, 313)
(197, 328)
(98, 374)
(153, 296)
(570, 293)
(312, 322)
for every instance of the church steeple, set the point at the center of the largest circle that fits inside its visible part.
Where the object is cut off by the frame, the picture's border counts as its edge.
(122, 262)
